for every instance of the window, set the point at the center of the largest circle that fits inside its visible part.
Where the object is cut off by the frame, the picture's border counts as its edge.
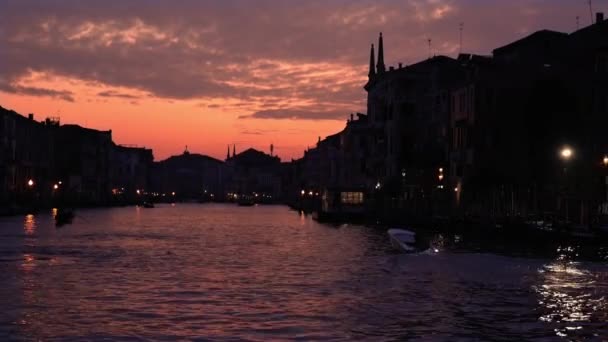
(460, 137)
(462, 102)
(351, 197)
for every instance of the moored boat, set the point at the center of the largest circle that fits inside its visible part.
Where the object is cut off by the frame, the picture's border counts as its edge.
(403, 240)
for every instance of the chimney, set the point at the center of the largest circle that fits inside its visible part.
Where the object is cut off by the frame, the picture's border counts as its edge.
(400, 65)
(30, 116)
(599, 17)
(391, 68)
(352, 117)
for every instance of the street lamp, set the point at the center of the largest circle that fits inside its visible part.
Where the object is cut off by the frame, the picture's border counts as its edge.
(566, 153)
(605, 204)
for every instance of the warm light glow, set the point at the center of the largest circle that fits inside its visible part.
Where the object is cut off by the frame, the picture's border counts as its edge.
(310, 193)
(605, 160)
(166, 135)
(440, 177)
(456, 189)
(566, 153)
(30, 182)
(302, 192)
(173, 193)
(440, 169)
(29, 225)
(56, 186)
(138, 192)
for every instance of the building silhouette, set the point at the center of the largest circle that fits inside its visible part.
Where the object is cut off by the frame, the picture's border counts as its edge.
(46, 163)
(477, 137)
(130, 172)
(188, 176)
(256, 174)
(26, 158)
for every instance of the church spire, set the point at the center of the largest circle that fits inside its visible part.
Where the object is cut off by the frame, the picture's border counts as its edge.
(228, 153)
(372, 67)
(233, 150)
(380, 66)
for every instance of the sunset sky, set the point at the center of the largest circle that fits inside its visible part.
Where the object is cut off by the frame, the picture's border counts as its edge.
(166, 74)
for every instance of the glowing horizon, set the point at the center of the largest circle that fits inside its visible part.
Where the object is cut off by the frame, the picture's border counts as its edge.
(212, 74)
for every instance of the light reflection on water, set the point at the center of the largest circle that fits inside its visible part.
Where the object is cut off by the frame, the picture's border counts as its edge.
(259, 273)
(29, 224)
(573, 297)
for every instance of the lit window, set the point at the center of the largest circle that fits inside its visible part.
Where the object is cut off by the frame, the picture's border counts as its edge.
(351, 197)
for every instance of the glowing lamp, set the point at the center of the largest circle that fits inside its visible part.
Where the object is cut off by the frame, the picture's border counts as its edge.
(566, 153)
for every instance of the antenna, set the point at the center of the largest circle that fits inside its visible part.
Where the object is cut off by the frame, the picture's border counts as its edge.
(591, 12)
(429, 40)
(577, 25)
(461, 27)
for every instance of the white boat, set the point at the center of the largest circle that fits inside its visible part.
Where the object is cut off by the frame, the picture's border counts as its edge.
(402, 239)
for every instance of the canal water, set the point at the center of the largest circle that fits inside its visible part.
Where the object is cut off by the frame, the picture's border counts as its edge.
(222, 272)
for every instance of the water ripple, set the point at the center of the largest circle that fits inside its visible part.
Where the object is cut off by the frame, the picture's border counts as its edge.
(226, 273)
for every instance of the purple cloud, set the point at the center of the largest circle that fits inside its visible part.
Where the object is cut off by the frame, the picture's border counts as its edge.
(268, 54)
